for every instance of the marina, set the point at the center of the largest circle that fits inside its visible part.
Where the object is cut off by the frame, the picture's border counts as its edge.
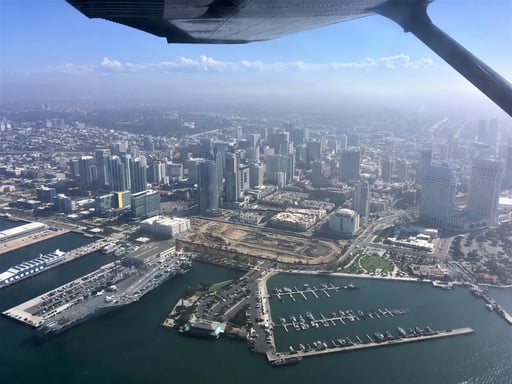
(328, 318)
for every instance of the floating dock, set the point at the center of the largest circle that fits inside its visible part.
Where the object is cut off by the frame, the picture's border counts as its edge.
(313, 290)
(341, 317)
(271, 356)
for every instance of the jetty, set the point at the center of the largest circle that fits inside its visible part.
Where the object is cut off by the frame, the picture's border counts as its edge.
(348, 345)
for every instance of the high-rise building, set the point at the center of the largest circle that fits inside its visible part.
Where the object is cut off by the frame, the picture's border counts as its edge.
(402, 171)
(158, 172)
(244, 178)
(256, 175)
(424, 162)
(117, 175)
(387, 170)
(101, 156)
(352, 140)
(175, 171)
(45, 194)
(231, 173)
(361, 200)
(343, 140)
(484, 189)
(207, 186)
(313, 152)
(278, 140)
(507, 176)
(437, 196)
(138, 175)
(344, 222)
(126, 160)
(74, 169)
(350, 163)
(317, 173)
(145, 204)
(88, 173)
(284, 165)
(298, 136)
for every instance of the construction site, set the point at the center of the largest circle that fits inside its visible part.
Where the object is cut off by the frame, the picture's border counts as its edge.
(266, 244)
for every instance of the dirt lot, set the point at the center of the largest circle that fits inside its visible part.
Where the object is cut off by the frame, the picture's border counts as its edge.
(261, 243)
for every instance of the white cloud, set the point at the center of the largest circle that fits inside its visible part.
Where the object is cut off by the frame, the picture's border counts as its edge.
(404, 62)
(111, 64)
(208, 64)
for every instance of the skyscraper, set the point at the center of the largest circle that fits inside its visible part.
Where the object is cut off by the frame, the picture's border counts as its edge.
(231, 173)
(437, 196)
(361, 200)
(138, 175)
(101, 156)
(280, 164)
(88, 173)
(484, 189)
(424, 162)
(350, 162)
(387, 170)
(507, 176)
(117, 175)
(126, 161)
(402, 170)
(317, 173)
(207, 186)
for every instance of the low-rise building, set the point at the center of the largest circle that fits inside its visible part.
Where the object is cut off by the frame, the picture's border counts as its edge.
(165, 226)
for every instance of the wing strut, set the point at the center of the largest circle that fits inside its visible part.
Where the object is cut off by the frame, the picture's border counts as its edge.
(412, 17)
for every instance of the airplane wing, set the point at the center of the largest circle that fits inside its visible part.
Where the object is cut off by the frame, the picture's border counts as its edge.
(224, 21)
(243, 21)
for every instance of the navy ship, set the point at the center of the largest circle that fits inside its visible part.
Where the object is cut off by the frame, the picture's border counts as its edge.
(110, 287)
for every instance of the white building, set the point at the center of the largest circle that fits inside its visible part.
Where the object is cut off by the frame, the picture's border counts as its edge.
(344, 222)
(165, 226)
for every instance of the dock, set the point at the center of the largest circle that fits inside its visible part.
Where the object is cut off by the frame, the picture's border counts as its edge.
(340, 318)
(316, 352)
(285, 291)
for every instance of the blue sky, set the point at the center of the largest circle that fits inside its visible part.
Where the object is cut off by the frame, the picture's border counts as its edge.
(49, 49)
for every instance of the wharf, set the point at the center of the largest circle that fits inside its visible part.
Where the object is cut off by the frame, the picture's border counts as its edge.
(32, 238)
(271, 356)
(496, 307)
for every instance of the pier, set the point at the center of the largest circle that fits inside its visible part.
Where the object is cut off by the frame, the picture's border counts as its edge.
(285, 291)
(492, 303)
(372, 344)
(32, 238)
(341, 317)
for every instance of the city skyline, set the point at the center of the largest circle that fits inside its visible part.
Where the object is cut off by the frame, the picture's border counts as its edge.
(54, 52)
